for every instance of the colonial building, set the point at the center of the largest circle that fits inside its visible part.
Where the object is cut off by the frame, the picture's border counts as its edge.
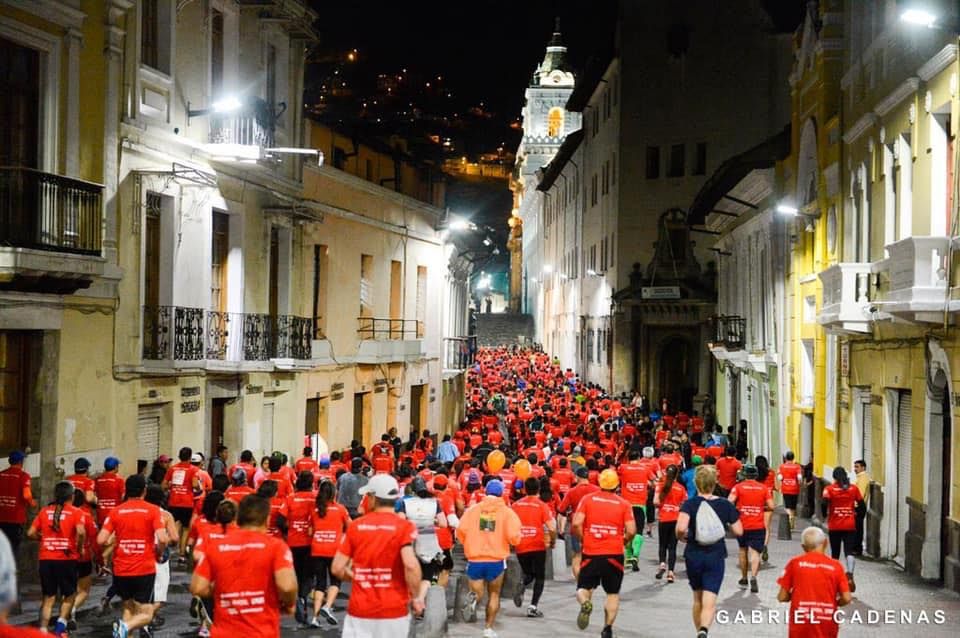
(545, 125)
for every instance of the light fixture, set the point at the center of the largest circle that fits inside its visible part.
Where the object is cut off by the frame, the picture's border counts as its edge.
(919, 16)
(591, 272)
(547, 269)
(487, 241)
(225, 104)
(787, 209)
(460, 224)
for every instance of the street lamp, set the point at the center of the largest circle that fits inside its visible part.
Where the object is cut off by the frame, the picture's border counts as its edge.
(225, 104)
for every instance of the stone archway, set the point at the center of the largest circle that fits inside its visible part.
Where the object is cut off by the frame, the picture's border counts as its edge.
(677, 364)
(937, 461)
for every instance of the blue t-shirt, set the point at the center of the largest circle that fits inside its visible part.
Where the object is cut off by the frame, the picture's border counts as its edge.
(687, 478)
(725, 511)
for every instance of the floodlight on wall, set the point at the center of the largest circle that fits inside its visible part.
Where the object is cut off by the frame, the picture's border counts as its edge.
(919, 16)
(788, 209)
(226, 104)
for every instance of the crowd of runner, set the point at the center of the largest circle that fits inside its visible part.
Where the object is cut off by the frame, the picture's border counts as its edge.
(542, 456)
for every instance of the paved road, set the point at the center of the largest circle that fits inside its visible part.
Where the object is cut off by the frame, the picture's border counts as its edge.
(650, 608)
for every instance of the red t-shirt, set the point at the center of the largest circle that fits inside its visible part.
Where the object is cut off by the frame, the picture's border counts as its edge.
(135, 524)
(841, 507)
(9, 631)
(13, 507)
(727, 468)
(243, 567)
(383, 464)
(564, 478)
(671, 502)
(180, 479)
(448, 505)
(634, 477)
(534, 515)
(284, 487)
(298, 511)
(81, 483)
(278, 508)
(374, 541)
(62, 544)
(305, 464)
(572, 500)
(110, 488)
(605, 516)
(813, 580)
(328, 530)
(236, 493)
(248, 468)
(791, 477)
(750, 497)
(90, 547)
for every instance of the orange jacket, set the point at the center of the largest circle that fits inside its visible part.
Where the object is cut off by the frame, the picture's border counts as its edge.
(488, 529)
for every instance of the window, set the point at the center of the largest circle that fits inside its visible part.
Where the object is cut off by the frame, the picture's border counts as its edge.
(219, 249)
(653, 162)
(320, 269)
(676, 161)
(591, 357)
(831, 417)
(396, 289)
(366, 285)
(151, 248)
(421, 300)
(905, 188)
(19, 105)
(700, 162)
(555, 122)
(806, 372)
(216, 53)
(155, 25)
(273, 295)
(369, 170)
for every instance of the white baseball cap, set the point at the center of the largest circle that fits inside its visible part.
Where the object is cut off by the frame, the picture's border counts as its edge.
(382, 486)
(196, 458)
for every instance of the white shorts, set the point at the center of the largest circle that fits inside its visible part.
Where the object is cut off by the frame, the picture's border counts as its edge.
(354, 627)
(161, 583)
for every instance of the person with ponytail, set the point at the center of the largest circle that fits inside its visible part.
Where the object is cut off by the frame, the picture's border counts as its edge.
(60, 529)
(161, 583)
(90, 553)
(767, 477)
(669, 496)
(842, 500)
(327, 525)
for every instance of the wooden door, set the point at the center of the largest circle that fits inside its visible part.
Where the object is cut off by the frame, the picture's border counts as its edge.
(14, 389)
(220, 247)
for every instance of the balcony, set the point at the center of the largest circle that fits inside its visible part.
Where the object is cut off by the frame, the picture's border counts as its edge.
(459, 353)
(846, 298)
(913, 279)
(50, 232)
(728, 332)
(182, 335)
(243, 134)
(389, 340)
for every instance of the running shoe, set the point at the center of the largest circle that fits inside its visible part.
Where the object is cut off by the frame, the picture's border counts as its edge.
(518, 594)
(203, 633)
(489, 633)
(195, 604)
(145, 632)
(327, 614)
(850, 581)
(120, 629)
(661, 572)
(743, 582)
(157, 622)
(300, 613)
(765, 555)
(315, 623)
(702, 633)
(583, 618)
(72, 624)
(754, 588)
(671, 577)
(104, 606)
(607, 632)
(636, 565)
(533, 612)
(469, 607)
(60, 629)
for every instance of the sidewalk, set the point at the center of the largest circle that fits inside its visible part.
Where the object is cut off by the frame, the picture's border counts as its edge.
(649, 608)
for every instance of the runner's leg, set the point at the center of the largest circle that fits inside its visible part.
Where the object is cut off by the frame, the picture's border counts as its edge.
(493, 603)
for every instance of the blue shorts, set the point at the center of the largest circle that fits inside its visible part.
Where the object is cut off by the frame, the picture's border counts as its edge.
(576, 546)
(704, 571)
(754, 539)
(486, 571)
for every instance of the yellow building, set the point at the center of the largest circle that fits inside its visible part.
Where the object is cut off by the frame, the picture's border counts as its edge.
(888, 274)
(58, 260)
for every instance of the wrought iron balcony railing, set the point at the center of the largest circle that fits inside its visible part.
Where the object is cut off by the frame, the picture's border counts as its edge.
(728, 331)
(192, 334)
(50, 212)
(241, 130)
(371, 328)
(459, 352)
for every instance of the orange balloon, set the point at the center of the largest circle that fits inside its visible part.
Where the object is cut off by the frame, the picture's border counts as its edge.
(522, 469)
(495, 461)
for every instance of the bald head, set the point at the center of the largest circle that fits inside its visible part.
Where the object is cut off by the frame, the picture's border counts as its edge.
(813, 538)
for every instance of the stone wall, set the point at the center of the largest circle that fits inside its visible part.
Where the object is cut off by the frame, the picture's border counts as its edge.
(503, 329)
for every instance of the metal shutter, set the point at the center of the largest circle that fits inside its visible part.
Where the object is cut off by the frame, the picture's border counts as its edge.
(148, 434)
(904, 447)
(266, 428)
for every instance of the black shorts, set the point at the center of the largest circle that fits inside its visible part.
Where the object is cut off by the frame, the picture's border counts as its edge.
(136, 588)
(447, 563)
(605, 571)
(14, 534)
(753, 538)
(325, 577)
(847, 539)
(639, 517)
(429, 570)
(85, 569)
(58, 577)
(182, 515)
(534, 563)
(790, 501)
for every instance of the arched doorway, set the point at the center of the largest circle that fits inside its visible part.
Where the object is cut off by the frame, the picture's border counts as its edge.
(678, 365)
(939, 463)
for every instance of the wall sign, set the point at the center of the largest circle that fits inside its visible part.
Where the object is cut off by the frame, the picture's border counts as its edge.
(660, 292)
(192, 391)
(845, 360)
(254, 389)
(336, 396)
(189, 406)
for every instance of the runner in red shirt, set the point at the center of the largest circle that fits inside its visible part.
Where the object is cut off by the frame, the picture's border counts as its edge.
(563, 475)
(328, 522)
(447, 497)
(568, 506)
(605, 523)
(535, 517)
(669, 457)
(249, 575)
(240, 488)
(790, 477)
(109, 488)
(136, 528)
(842, 499)
(669, 496)
(82, 481)
(377, 555)
(15, 496)
(183, 482)
(247, 464)
(306, 463)
(727, 468)
(753, 500)
(635, 477)
(298, 510)
(815, 586)
(59, 528)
